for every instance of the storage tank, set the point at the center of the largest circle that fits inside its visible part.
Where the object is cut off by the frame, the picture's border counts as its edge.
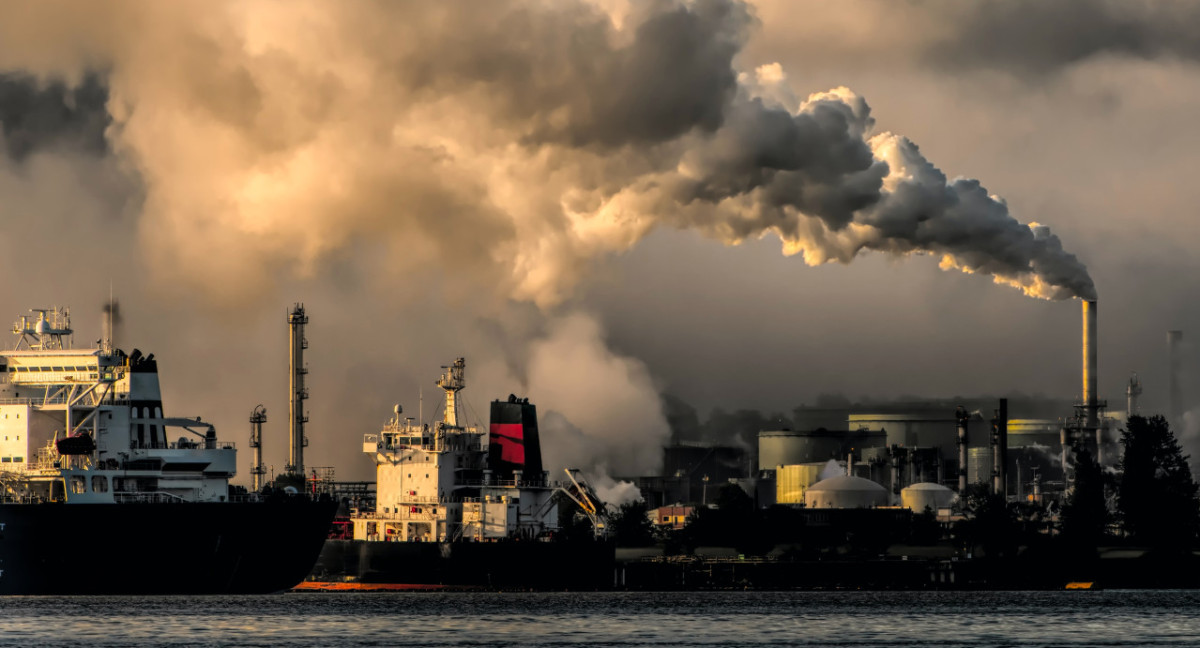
(792, 481)
(794, 447)
(979, 465)
(929, 495)
(845, 492)
(929, 429)
(1034, 432)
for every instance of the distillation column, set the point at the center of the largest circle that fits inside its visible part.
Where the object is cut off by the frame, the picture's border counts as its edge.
(298, 393)
(257, 470)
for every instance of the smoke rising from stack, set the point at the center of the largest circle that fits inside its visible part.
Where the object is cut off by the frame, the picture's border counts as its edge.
(283, 136)
(277, 142)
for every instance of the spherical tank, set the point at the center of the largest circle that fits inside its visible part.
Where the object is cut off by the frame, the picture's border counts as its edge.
(845, 492)
(924, 495)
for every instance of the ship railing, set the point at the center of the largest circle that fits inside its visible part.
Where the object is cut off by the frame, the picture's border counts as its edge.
(154, 497)
(57, 400)
(510, 483)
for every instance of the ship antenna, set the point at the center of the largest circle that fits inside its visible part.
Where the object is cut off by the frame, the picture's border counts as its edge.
(109, 341)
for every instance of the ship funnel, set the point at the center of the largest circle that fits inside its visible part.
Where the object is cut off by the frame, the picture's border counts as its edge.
(513, 443)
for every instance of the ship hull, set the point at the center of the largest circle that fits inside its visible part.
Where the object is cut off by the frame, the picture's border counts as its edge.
(510, 564)
(178, 548)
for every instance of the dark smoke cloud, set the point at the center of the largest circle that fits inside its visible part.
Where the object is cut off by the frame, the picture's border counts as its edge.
(37, 115)
(1032, 37)
(508, 145)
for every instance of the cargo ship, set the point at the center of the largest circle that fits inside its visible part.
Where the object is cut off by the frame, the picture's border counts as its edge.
(97, 498)
(457, 506)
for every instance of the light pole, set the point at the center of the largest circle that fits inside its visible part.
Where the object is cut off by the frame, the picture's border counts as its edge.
(704, 491)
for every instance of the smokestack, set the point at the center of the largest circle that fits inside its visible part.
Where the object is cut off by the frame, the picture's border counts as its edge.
(963, 420)
(1090, 372)
(298, 392)
(1174, 376)
(1000, 450)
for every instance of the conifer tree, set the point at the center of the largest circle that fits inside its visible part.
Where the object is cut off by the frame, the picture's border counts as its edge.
(1157, 496)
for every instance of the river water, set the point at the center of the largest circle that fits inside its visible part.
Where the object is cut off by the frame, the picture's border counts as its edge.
(1109, 618)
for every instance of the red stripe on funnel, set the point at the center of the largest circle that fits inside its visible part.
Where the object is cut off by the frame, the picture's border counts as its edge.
(511, 439)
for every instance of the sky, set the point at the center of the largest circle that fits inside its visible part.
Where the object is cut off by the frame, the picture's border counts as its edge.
(743, 205)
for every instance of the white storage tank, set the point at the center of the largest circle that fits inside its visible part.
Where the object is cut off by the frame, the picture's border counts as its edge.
(845, 492)
(924, 495)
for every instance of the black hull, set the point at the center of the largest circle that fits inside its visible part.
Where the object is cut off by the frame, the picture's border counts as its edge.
(523, 565)
(182, 548)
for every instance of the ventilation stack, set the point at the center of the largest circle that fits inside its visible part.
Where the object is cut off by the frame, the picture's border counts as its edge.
(297, 319)
(1175, 377)
(257, 470)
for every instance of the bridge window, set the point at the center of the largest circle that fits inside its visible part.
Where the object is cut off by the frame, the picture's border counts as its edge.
(78, 484)
(5, 459)
(56, 368)
(18, 459)
(99, 484)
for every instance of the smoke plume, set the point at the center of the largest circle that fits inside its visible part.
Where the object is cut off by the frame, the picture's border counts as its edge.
(498, 149)
(523, 140)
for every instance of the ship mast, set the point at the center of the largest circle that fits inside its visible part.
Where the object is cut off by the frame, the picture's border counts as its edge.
(298, 392)
(452, 381)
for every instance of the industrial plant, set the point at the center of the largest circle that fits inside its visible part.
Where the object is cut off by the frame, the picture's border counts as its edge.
(850, 471)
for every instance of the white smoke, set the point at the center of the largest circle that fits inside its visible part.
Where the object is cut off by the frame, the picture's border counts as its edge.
(832, 468)
(500, 148)
(522, 139)
(599, 411)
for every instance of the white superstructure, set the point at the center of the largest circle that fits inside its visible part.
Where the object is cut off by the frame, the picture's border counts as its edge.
(87, 425)
(433, 484)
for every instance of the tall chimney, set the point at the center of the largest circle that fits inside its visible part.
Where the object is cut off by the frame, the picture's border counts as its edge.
(298, 392)
(1090, 372)
(1174, 376)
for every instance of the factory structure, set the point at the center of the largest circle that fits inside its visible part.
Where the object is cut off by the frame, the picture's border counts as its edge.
(916, 456)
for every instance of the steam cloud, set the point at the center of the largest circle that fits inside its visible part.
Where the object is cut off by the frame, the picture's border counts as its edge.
(507, 146)
(526, 140)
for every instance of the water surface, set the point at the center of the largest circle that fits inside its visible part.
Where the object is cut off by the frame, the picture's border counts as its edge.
(1110, 618)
